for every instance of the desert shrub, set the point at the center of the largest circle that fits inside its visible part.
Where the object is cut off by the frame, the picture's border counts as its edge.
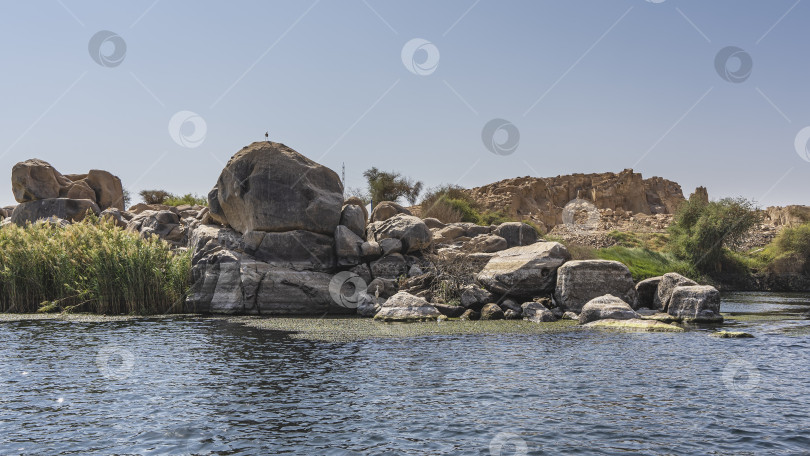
(701, 230)
(187, 199)
(90, 266)
(390, 186)
(154, 196)
(451, 203)
(452, 276)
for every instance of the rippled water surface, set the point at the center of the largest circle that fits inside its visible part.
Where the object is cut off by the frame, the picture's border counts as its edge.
(207, 386)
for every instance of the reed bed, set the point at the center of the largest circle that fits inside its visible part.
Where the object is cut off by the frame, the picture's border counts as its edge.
(90, 266)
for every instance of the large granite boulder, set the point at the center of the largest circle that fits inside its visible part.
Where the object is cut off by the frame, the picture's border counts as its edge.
(107, 189)
(298, 250)
(695, 303)
(267, 186)
(347, 246)
(35, 179)
(524, 272)
(412, 231)
(516, 233)
(580, 281)
(646, 291)
(405, 307)
(72, 210)
(353, 217)
(228, 279)
(665, 288)
(607, 307)
(384, 210)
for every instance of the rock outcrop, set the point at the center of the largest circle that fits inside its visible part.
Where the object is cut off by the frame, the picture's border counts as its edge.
(279, 244)
(543, 199)
(267, 186)
(581, 281)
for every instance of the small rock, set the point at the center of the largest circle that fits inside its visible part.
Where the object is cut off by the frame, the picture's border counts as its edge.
(491, 311)
(537, 312)
(731, 335)
(470, 314)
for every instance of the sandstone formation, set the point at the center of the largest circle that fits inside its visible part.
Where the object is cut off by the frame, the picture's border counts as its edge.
(267, 186)
(543, 199)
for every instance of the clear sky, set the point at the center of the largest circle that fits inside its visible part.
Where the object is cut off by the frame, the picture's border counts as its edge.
(590, 85)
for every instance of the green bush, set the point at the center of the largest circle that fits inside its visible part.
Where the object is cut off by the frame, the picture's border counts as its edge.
(644, 263)
(790, 241)
(625, 239)
(187, 199)
(90, 266)
(701, 230)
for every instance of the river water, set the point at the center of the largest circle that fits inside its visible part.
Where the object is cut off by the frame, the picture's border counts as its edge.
(208, 386)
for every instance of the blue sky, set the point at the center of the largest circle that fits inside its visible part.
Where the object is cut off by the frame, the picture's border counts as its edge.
(591, 86)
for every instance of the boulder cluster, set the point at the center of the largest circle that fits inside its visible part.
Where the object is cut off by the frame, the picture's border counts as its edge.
(278, 238)
(43, 192)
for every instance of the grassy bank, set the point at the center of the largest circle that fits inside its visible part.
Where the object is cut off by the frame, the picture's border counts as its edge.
(91, 266)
